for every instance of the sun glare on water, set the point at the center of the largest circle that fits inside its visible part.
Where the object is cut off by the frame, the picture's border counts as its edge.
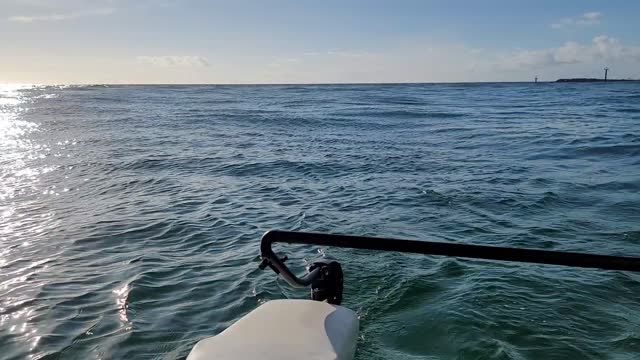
(18, 178)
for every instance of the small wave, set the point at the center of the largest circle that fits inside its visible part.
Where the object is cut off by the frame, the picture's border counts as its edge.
(611, 150)
(87, 87)
(402, 114)
(401, 101)
(623, 151)
(628, 110)
(591, 140)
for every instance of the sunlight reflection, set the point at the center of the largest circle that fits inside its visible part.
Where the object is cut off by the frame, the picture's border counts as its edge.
(14, 147)
(122, 293)
(20, 173)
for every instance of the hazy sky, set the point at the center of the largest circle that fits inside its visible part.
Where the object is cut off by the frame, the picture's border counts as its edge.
(300, 41)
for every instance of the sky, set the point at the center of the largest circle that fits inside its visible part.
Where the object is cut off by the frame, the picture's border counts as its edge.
(319, 41)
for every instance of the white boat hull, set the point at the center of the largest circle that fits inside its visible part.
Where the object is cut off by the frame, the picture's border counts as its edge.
(285, 330)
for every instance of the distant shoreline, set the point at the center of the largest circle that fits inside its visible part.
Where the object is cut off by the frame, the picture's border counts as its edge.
(591, 80)
(587, 80)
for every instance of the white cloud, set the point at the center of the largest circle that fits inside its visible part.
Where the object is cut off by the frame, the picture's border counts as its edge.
(329, 55)
(348, 53)
(343, 53)
(173, 61)
(428, 62)
(601, 48)
(588, 18)
(591, 17)
(284, 62)
(61, 16)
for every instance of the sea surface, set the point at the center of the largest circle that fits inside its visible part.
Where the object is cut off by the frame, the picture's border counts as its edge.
(131, 216)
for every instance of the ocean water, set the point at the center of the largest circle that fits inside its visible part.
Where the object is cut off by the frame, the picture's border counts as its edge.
(130, 216)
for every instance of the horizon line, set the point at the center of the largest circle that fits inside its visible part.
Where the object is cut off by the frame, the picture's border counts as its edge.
(291, 84)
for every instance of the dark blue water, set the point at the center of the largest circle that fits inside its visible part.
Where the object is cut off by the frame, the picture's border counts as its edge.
(131, 215)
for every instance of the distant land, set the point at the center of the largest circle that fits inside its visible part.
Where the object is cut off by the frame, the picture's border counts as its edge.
(591, 80)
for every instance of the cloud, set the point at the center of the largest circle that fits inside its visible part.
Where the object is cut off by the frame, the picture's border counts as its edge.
(284, 62)
(343, 53)
(601, 48)
(328, 55)
(347, 53)
(586, 19)
(61, 16)
(591, 17)
(173, 61)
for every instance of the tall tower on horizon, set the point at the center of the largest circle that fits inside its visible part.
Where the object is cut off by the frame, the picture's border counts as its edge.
(606, 71)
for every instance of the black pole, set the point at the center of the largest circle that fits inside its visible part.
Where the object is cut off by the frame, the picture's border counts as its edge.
(606, 71)
(605, 262)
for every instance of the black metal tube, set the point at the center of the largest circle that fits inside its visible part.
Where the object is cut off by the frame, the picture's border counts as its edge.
(606, 262)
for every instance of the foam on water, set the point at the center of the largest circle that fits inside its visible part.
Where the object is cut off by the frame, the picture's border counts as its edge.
(131, 215)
